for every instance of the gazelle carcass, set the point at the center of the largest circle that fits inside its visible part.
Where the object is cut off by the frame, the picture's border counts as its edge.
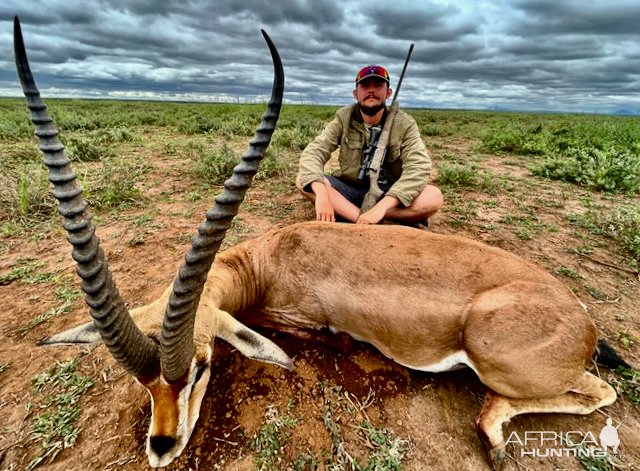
(429, 302)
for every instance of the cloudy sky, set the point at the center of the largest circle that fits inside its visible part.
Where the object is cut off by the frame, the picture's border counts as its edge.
(556, 55)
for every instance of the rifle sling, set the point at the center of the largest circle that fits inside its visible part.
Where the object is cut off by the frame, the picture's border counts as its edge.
(374, 193)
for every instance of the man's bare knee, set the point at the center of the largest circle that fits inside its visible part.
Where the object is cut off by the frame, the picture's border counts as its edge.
(426, 204)
(430, 200)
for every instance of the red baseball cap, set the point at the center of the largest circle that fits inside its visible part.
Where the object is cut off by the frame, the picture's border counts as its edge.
(372, 71)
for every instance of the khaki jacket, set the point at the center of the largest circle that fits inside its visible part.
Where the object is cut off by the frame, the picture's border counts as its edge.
(407, 162)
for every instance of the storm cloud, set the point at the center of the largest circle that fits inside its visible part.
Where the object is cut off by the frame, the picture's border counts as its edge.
(542, 55)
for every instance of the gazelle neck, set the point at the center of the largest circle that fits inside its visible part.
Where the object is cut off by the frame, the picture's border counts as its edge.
(233, 284)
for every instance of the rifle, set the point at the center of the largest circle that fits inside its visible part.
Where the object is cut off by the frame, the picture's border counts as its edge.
(369, 152)
(374, 193)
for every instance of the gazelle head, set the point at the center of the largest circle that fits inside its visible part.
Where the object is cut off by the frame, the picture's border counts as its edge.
(167, 360)
(175, 408)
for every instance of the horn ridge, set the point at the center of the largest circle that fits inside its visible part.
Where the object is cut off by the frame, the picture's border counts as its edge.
(137, 353)
(176, 342)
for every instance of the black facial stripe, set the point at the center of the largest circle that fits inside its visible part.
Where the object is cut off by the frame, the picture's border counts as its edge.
(199, 373)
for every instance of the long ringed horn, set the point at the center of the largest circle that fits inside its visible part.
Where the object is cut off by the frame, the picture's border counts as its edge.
(176, 343)
(136, 352)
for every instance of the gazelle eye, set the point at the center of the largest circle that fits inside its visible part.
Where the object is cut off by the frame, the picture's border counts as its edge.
(199, 373)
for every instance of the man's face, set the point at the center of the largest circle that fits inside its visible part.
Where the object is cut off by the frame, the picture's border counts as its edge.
(372, 92)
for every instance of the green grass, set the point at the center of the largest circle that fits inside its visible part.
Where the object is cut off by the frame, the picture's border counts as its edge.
(523, 134)
(276, 168)
(627, 341)
(272, 209)
(431, 129)
(24, 193)
(621, 224)
(529, 226)
(388, 450)
(628, 383)
(269, 441)
(295, 138)
(467, 176)
(143, 225)
(67, 293)
(193, 196)
(42, 318)
(596, 293)
(600, 152)
(602, 169)
(238, 232)
(104, 134)
(385, 450)
(115, 185)
(57, 393)
(25, 271)
(346, 420)
(584, 250)
(526, 225)
(213, 166)
(42, 277)
(90, 136)
(306, 462)
(596, 463)
(458, 176)
(15, 274)
(569, 273)
(87, 149)
(97, 145)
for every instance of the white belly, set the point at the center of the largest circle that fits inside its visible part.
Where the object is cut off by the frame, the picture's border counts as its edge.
(454, 361)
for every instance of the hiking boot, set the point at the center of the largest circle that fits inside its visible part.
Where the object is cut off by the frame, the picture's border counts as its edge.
(423, 225)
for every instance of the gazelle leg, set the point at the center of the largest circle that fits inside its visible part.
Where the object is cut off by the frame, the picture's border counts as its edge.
(496, 410)
(589, 394)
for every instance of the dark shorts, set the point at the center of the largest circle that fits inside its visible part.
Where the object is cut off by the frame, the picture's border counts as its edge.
(355, 193)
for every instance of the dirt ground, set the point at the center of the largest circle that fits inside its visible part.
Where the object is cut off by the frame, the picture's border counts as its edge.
(343, 381)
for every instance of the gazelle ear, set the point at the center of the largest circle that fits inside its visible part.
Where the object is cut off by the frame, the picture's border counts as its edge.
(250, 343)
(84, 333)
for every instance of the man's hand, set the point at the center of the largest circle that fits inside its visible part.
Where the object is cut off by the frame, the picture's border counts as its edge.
(324, 208)
(373, 216)
(379, 211)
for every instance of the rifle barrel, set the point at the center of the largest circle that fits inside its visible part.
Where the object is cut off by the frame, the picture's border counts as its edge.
(404, 69)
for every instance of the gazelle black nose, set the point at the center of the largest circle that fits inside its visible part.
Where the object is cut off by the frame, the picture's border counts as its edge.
(161, 444)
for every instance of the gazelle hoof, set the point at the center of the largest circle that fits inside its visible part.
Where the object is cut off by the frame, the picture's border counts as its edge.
(495, 454)
(496, 458)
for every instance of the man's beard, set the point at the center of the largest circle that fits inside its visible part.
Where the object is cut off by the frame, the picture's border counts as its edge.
(371, 110)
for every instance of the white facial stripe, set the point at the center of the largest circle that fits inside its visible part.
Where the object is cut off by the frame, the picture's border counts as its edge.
(188, 412)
